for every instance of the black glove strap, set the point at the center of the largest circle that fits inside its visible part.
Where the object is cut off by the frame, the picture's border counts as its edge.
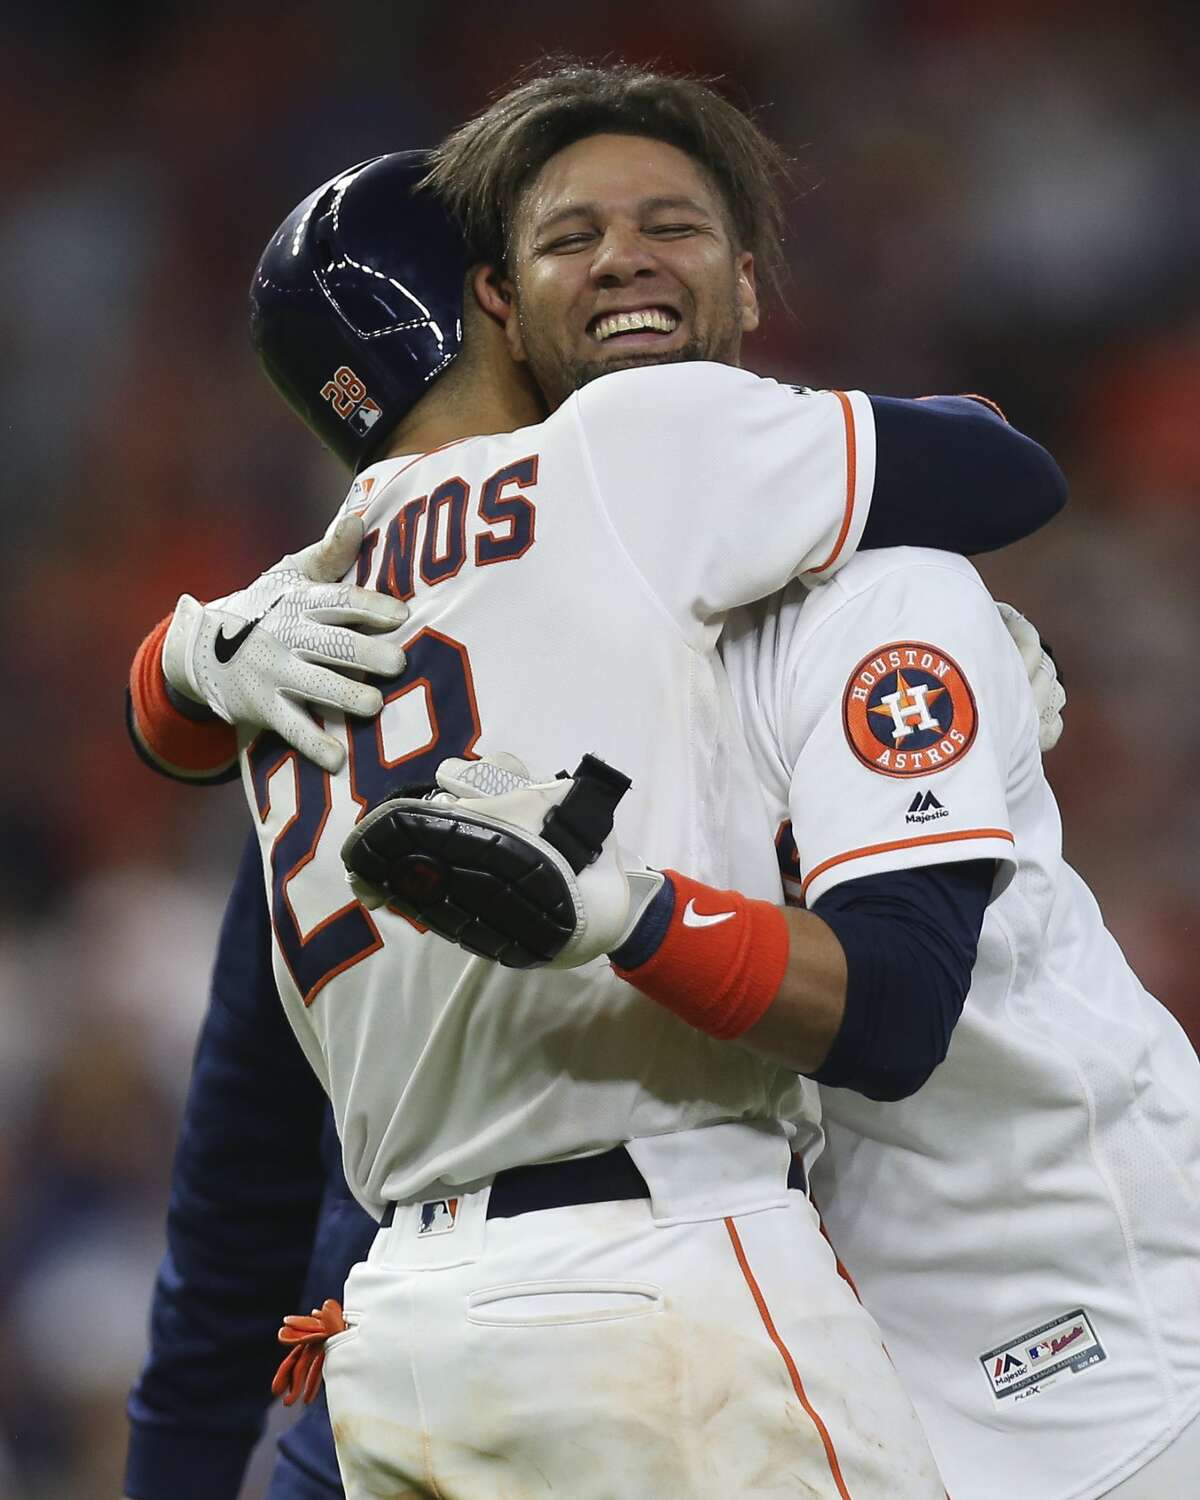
(581, 822)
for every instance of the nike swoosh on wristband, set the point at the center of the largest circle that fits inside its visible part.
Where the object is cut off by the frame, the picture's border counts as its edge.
(694, 918)
(226, 647)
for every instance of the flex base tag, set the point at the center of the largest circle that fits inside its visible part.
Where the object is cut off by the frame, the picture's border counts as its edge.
(1033, 1360)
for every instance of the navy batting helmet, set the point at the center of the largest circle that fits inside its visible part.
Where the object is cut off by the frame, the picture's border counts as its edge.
(356, 305)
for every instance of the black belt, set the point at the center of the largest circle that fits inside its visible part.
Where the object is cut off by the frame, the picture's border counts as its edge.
(607, 1178)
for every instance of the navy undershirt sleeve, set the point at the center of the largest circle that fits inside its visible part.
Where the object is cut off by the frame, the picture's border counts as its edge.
(246, 1190)
(910, 938)
(950, 472)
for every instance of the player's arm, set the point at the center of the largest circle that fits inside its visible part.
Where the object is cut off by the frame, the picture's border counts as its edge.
(723, 486)
(898, 703)
(246, 1189)
(863, 988)
(295, 639)
(952, 473)
(863, 992)
(874, 979)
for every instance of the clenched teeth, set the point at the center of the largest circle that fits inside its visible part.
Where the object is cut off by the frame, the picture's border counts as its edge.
(635, 322)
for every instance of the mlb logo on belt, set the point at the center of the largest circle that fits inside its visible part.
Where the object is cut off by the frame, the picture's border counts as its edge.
(438, 1216)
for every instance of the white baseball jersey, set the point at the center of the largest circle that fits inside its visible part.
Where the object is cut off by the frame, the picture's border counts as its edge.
(1026, 1227)
(567, 586)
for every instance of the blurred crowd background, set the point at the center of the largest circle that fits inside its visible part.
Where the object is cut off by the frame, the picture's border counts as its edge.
(997, 197)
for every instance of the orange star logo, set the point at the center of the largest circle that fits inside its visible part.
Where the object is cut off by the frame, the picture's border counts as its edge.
(906, 701)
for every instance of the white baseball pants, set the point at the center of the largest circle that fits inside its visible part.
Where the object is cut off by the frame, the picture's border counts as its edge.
(699, 1345)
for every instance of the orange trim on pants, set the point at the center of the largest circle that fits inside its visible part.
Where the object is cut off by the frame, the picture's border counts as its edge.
(835, 1468)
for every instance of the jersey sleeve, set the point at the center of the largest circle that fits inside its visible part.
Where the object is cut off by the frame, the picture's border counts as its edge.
(903, 711)
(951, 472)
(722, 486)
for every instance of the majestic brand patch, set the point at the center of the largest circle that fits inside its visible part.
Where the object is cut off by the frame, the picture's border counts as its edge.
(908, 710)
(1036, 1359)
(924, 808)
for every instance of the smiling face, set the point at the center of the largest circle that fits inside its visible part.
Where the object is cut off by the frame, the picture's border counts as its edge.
(622, 256)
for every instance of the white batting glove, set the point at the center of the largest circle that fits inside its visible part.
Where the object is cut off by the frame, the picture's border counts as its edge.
(501, 918)
(296, 636)
(1049, 695)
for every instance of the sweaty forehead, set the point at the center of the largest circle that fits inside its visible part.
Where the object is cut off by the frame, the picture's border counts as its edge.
(614, 174)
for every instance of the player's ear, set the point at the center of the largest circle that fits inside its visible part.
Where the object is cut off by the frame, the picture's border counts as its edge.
(747, 292)
(494, 293)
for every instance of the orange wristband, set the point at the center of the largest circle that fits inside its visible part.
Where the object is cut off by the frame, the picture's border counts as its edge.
(721, 960)
(186, 747)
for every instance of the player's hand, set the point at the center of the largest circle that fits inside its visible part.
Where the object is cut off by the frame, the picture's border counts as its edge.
(1049, 695)
(524, 872)
(297, 635)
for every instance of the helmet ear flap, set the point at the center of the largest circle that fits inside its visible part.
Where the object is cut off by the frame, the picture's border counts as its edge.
(356, 303)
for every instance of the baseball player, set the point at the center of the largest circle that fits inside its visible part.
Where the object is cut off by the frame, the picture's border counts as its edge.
(424, 536)
(889, 696)
(1026, 1215)
(1085, 1358)
(1026, 1227)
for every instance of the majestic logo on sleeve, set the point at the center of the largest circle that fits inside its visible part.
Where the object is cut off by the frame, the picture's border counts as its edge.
(908, 710)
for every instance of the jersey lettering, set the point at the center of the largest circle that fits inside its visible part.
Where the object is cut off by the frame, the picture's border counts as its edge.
(437, 666)
(442, 558)
(366, 555)
(399, 551)
(433, 529)
(515, 511)
(345, 936)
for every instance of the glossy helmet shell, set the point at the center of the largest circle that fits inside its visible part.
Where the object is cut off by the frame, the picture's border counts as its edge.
(356, 305)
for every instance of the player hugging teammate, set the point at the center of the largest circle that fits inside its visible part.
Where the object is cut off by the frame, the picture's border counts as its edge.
(597, 1268)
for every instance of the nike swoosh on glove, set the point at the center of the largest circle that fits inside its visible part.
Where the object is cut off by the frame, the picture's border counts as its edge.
(527, 873)
(1049, 695)
(297, 635)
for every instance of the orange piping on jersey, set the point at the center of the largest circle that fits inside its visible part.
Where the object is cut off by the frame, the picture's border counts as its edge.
(186, 747)
(929, 838)
(851, 481)
(415, 459)
(835, 1467)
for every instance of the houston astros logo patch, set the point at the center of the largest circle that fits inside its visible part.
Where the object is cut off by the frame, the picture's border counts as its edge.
(908, 710)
